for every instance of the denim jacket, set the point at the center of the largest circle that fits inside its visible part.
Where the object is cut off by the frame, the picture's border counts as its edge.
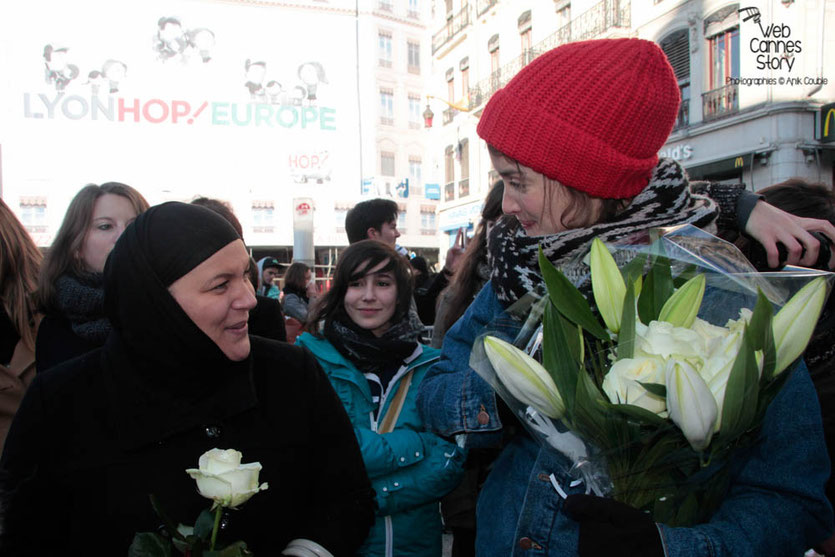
(775, 504)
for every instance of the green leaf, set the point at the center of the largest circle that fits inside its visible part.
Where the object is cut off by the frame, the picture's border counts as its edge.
(150, 544)
(741, 393)
(205, 523)
(762, 335)
(634, 269)
(626, 337)
(166, 520)
(658, 287)
(656, 389)
(568, 300)
(590, 413)
(641, 415)
(557, 358)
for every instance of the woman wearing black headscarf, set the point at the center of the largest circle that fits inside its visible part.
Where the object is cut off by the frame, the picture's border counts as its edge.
(179, 375)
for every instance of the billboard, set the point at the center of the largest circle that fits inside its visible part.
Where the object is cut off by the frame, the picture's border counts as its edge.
(242, 101)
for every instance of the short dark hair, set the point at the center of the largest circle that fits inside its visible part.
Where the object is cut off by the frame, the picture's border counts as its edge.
(331, 306)
(369, 214)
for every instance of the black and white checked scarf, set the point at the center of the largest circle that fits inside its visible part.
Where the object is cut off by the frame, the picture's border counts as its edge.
(666, 201)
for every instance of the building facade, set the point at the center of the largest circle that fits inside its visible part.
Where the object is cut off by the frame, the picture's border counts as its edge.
(755, 91)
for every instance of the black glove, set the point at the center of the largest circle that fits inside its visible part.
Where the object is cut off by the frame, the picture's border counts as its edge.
(608, 527)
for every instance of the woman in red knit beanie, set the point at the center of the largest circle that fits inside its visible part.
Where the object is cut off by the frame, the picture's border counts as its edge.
(575, 136)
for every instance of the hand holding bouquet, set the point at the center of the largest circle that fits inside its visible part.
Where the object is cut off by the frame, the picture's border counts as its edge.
(646, 398)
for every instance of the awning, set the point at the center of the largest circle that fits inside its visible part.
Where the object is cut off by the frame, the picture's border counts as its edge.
(730, 165)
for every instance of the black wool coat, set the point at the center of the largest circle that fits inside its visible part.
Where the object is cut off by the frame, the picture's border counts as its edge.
(84, 454)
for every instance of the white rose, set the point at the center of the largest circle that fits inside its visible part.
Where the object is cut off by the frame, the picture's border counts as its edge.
(223, 479)
(622, 387)
(663, 339)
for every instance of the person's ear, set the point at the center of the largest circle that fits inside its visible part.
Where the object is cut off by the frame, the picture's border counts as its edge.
(372, 233)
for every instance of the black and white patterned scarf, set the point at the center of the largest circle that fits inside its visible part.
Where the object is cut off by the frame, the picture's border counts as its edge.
(666, 201)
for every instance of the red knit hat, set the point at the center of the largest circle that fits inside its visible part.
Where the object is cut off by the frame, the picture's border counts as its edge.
(591, 115)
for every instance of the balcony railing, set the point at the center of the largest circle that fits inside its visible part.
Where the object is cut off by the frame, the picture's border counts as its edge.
(597, 20)
(721, 102)
(453, 26)
(683, 119)
(482, 6)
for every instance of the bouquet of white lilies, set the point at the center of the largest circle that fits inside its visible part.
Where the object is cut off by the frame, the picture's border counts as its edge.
(650, 389)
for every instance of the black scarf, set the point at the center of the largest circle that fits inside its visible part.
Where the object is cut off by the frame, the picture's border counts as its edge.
(371, 354)
(666, 201)
(80, 298)
(300, 292)
(167, 375)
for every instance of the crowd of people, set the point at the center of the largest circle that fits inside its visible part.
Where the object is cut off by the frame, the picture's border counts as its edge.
(148, 335)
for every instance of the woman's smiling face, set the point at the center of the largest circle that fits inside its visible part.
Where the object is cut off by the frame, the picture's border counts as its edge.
(217, 297)
(370, 300)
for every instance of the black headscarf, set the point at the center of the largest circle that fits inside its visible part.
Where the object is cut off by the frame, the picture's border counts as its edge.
(170, 372)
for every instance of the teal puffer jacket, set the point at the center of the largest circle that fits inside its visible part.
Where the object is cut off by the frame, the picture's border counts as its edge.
(410, 468)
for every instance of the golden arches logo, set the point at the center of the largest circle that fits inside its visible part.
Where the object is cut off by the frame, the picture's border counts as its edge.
(830, 114)
(739, 162)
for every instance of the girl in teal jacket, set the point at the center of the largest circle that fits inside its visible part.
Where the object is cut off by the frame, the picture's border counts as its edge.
(370, 353)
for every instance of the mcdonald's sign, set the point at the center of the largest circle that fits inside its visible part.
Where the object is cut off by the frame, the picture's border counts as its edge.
(739, 162)
(828, 123)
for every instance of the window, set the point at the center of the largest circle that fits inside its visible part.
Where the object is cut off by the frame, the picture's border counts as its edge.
(401, 221)
(413, 48)
(387, 163)
(450, 89)
(563, 8)
(721, 29)
(385, 5)
(465, 82)
(495, 69)
(384, 49)
(449, 173)
(724, 57)
(386, 107)
(427, 221)
(415, 116)
(414, 9)
(415, 166)
(339, 218)
(33, 214)
(677, 48)
(449, 6)
(524, 26)
(263, 216)
(464, 157)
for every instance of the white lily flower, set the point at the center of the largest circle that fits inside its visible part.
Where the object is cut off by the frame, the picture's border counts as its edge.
(794, 323)
(681, 308)
(607, 284)
(690, 404)
(524, 377)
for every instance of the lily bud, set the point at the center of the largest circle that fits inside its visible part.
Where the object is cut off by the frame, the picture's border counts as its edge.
(690, 404)
(794, 323)
(681, 308)
(607, 285)
(524, 377)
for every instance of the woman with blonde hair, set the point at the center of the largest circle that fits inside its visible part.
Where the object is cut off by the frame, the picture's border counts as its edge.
(20, 260)
(70, 290)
